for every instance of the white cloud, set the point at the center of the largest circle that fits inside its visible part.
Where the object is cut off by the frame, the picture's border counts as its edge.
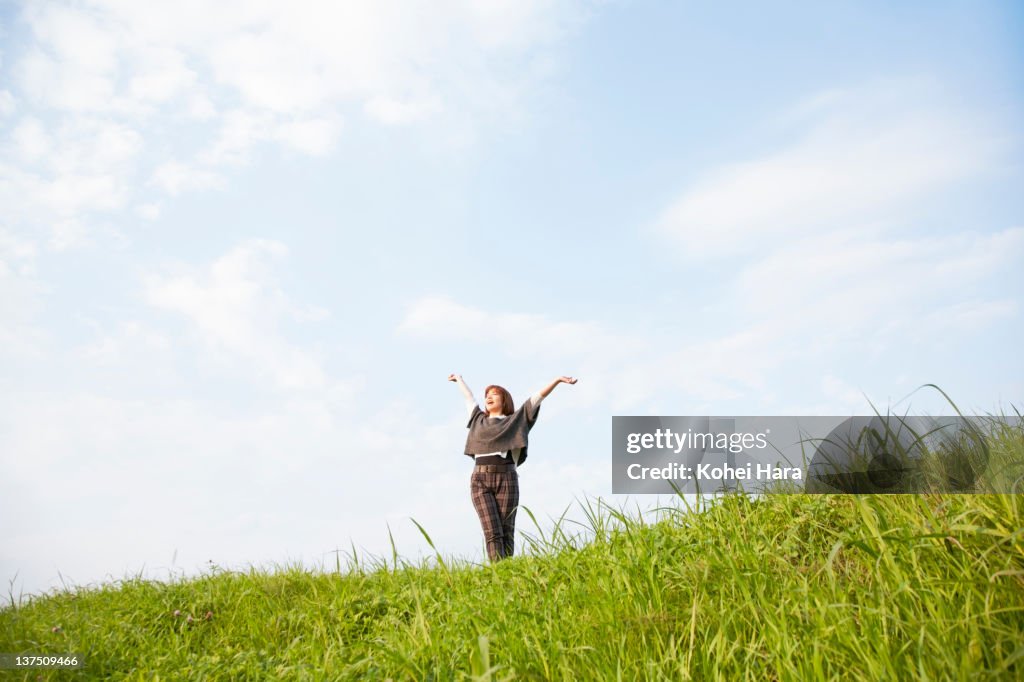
(398, 111)
(237, 307)
(239, 131)
(970, 315)
(828, 254)
(621, 370)
(175, 177)
(8, 105)
(844, 300)
(72, 65)
(30, 140)
(780, 320)
(95, 75)
(20, 292)
(129, 337)
(438, 317)
(16, 254)
(843, 282)
(66, 234)
(843, 393)
(150, 211)
(867, 153)
(55, 177)
(162, 75)
(315, 137)
(95, 145)
(58, 175)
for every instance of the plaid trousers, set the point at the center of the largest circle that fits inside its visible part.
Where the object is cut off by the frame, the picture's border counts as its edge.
(495, 491)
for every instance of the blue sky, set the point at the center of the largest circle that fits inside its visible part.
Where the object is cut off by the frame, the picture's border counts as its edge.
(242, 248)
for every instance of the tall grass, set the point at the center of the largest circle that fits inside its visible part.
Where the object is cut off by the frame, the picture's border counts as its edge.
(786, 587)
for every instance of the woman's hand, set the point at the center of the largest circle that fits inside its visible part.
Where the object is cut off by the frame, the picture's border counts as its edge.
(454, 377)
(568, 380)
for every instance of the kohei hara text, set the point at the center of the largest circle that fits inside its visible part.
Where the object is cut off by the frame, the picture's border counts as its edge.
(666, 439)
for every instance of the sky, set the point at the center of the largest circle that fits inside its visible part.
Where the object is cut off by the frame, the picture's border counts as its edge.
(243, 244)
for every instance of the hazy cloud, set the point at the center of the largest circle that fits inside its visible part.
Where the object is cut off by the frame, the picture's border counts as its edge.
(213, 82)
(236, 307)
(862, 156)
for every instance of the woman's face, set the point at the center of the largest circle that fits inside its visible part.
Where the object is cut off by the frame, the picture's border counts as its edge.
(492, 402)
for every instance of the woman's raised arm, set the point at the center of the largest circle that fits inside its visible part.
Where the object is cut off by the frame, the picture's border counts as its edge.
(560, 380)
(457, 378)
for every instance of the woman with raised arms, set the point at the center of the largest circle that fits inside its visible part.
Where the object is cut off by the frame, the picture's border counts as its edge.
(497, 442)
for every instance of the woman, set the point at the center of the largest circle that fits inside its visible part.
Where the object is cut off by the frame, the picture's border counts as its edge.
(497, 440)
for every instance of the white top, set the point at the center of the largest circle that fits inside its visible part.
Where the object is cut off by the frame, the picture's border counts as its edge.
(471, 403)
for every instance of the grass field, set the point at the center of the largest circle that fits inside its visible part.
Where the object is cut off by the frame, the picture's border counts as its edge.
(786, 587)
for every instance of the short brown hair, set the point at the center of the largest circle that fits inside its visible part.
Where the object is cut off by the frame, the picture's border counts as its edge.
(507, 406)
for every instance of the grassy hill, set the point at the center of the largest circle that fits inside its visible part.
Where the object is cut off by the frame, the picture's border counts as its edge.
(785, 587)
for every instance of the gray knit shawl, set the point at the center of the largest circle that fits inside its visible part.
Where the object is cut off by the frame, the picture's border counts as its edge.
(488, 434)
